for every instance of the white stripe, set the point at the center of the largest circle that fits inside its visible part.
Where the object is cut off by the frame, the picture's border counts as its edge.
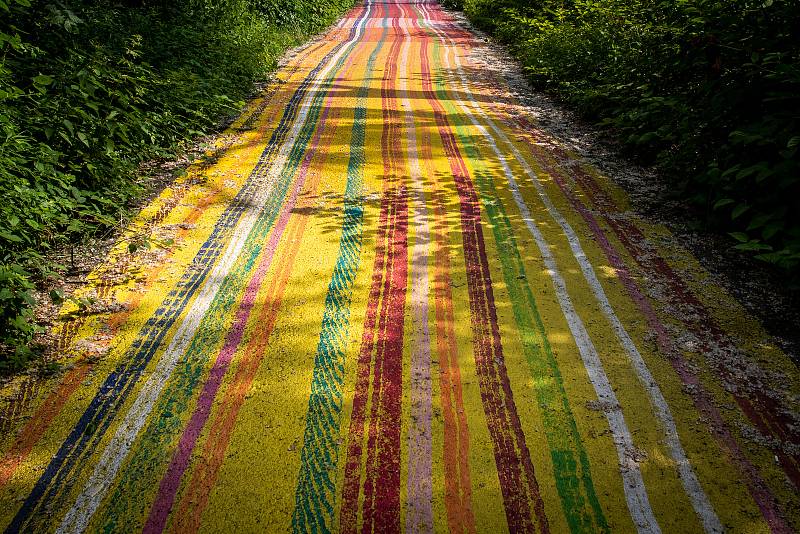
(635, 491)
(419, 516)
(700, 501)
(77, 519)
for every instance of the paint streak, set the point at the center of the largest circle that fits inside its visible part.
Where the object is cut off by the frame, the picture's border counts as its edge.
(101, 283)
(483, 369)
(314, 494)
(524, 506)
(180, 460)
(381, 352)
(573, 477)
(700, 396)
(419, 517)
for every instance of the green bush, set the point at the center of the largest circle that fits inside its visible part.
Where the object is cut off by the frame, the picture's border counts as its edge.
(90, 89)
(708, 89)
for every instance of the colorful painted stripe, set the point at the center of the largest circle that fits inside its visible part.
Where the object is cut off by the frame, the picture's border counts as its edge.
(381, 352)
(419, 514)
(524, 507)
(195, 500)
(391, 305)
(198, 352)
(573, 475)
(85, 436)
(635, 491)
(100, 282)
(700, 396)
(315, 494)
(456, 447)
(168, 488)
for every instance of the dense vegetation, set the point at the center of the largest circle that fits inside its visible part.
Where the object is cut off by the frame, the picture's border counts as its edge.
(91, 88)
(708, 89)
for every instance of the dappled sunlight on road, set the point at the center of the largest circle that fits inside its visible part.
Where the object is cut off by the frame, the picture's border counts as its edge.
(382, 302)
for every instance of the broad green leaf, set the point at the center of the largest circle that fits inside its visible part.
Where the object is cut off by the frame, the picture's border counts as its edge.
(43, 80)
(740, 236)
(739, 210)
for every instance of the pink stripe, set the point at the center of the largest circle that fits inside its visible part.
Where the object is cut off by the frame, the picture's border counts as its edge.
(168, 487)
(419, 516)
(702, 400)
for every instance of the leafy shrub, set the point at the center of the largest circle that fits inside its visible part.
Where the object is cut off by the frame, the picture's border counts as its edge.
(15, 313)
(91, 88)
(708, 89)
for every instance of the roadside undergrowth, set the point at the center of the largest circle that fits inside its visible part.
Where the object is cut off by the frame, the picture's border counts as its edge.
(708, 90)
(90, 90)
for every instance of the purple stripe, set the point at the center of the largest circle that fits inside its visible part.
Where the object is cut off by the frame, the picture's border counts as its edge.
(180, 460)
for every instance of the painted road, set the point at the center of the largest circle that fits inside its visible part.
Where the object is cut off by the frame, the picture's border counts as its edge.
(387, 300)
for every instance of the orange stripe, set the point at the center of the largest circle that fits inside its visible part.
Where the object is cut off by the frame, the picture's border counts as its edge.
(189, 511)
(458, 486)
(191, 506)
(50, 408)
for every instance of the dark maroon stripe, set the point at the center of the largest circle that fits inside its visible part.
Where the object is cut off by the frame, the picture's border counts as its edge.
(515, 469)
(386, 308)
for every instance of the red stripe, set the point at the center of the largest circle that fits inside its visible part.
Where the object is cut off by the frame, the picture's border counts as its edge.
(458, 487)
(349, 510)
(517, 479)
(630, 236)
(762, 410)
(386, 308)
(382, 484)
(701, 397)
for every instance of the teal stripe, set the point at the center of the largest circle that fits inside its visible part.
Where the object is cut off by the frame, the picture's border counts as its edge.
(316, 489)
(153, 451)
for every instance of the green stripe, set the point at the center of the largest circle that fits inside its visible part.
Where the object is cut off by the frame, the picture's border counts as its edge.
(573, 476)
(316, 490)
(152, 452)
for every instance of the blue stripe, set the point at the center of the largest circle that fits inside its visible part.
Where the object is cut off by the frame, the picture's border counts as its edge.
(94, 422)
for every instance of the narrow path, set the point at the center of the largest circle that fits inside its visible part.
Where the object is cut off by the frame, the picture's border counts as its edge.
(386, 304)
